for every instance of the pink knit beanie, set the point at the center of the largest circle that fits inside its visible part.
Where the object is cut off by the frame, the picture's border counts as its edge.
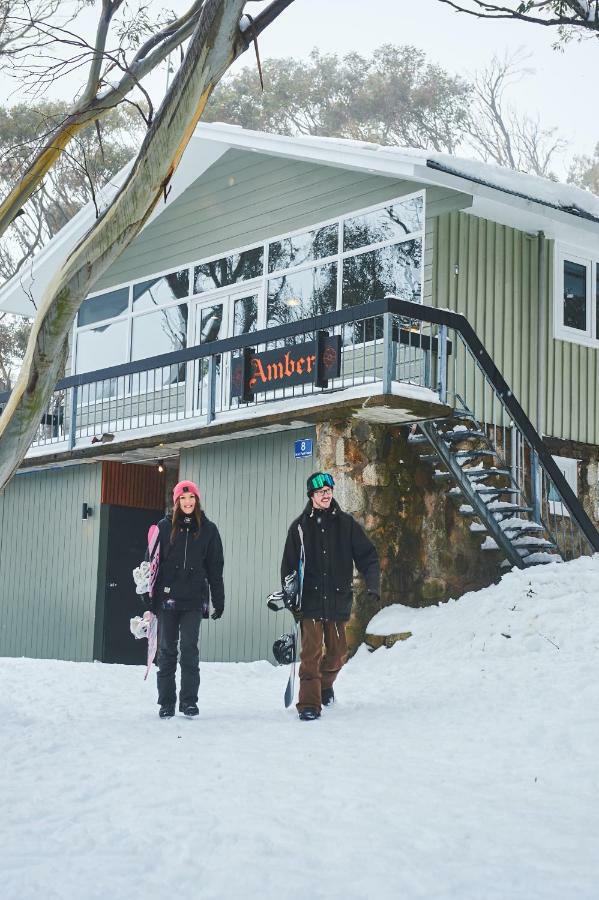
(184, 486)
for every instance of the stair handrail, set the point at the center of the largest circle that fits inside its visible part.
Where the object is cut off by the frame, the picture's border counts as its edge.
(437, 316)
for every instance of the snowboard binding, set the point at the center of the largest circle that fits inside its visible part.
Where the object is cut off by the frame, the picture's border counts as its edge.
(288, 598)
(284, 650)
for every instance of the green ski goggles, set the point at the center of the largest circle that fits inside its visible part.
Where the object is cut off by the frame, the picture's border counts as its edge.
(320, 480)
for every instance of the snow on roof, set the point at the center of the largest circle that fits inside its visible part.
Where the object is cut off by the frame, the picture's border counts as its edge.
(565, 197)
(512, 198)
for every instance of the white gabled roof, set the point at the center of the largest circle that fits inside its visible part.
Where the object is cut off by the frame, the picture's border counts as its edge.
(511, 198)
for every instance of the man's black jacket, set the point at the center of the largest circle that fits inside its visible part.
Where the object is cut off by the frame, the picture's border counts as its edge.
(190, 565)
(333, 542)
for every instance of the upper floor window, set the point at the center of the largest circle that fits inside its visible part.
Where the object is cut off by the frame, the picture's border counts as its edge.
(363, 256)
(577, 298)
(360, 256)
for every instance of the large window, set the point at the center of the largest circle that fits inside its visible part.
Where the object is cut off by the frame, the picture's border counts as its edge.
(229, 270)
(577, 298)
(362, 257)
(356, 258)
(302, 295)
(133, 322)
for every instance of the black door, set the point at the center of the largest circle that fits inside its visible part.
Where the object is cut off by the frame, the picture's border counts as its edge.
(126, 545)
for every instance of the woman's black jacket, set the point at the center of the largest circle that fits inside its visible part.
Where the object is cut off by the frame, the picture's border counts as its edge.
(333, 542)
(191, 568)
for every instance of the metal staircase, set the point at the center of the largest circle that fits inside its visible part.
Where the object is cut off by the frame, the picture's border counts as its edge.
(502, 469)
(465, 455)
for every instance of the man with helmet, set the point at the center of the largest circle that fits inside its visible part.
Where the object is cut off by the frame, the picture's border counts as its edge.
(323, 544)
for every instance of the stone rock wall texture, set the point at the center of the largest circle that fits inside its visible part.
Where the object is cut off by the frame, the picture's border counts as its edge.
(428, 553)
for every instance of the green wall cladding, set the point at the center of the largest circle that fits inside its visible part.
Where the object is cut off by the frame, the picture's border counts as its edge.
(496, 288)
(246, 198)
(49, 563)
(252, 488)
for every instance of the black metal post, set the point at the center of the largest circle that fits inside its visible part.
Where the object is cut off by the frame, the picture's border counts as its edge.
(246, 374)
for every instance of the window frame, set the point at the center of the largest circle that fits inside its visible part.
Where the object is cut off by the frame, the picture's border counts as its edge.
(569, 469)
(259, 284)
(589, 337)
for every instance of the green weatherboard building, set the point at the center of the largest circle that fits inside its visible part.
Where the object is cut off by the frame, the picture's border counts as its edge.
(430, 324)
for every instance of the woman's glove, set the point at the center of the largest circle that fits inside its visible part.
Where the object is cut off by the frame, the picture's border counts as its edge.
(141, 577)
(217, 613)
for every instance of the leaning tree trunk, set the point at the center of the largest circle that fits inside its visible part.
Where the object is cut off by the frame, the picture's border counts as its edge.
(216, 42)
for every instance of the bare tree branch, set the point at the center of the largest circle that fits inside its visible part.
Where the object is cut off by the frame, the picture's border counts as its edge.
(88, 110)
(549, 12)
(498, 133)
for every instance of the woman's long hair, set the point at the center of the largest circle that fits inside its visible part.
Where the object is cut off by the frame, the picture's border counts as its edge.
(178, 514)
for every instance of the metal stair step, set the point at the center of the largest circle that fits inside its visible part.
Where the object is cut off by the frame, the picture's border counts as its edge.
(430, 457)
(463, 414)
(442, 476)
(529, 545)
(524, 528)
(472, 454)
(509, 510)
(485, 473)
(454, 437)
(540, 559)
(483, 491)
(417, 439)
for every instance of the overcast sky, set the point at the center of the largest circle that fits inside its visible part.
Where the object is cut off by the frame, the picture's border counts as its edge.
(561, 88)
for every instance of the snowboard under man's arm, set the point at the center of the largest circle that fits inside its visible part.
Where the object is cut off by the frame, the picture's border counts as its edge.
(366, 559)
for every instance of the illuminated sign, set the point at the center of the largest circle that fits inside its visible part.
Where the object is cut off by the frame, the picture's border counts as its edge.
(313, 361)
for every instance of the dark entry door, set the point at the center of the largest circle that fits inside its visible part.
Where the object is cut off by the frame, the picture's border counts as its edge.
(126, 546)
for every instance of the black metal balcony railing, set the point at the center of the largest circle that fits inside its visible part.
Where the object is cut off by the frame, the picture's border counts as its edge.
(384, 344)
(192, 386)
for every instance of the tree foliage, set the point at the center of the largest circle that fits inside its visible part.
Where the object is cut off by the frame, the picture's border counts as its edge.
(394, 96)
(92, 159)
(584, 171)
(14, 333)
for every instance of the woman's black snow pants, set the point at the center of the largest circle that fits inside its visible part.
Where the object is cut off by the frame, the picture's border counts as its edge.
(173, 624)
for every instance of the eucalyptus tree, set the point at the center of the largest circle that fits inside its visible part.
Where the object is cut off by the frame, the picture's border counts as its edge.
(393, 96)
(220, 33)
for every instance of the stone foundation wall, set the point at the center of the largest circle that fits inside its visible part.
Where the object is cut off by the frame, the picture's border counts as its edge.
(428, 553)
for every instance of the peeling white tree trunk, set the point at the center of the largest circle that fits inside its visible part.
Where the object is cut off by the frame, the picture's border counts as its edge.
(215, 44)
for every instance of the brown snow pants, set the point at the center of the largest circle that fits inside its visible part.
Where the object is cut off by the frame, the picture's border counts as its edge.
(319, 669)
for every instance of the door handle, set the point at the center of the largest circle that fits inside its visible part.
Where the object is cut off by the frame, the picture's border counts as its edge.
(113, 584)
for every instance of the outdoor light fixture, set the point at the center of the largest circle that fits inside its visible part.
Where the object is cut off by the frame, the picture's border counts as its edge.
(293, 301)
(86, 511)
(161, 466)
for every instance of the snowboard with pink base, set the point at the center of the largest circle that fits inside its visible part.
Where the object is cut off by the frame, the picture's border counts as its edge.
(154, 560)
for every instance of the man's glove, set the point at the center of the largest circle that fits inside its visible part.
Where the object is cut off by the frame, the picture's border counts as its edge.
(217, 613)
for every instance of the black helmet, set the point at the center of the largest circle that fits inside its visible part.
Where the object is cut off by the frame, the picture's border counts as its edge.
(318, 480)
(283, 649)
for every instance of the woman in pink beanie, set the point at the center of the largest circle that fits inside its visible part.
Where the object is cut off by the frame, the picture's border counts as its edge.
(189, 577)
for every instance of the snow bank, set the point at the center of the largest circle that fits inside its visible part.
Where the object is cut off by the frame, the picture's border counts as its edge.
(552, 606)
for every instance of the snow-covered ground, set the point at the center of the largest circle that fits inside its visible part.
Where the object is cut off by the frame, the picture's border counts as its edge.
(462, 763)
